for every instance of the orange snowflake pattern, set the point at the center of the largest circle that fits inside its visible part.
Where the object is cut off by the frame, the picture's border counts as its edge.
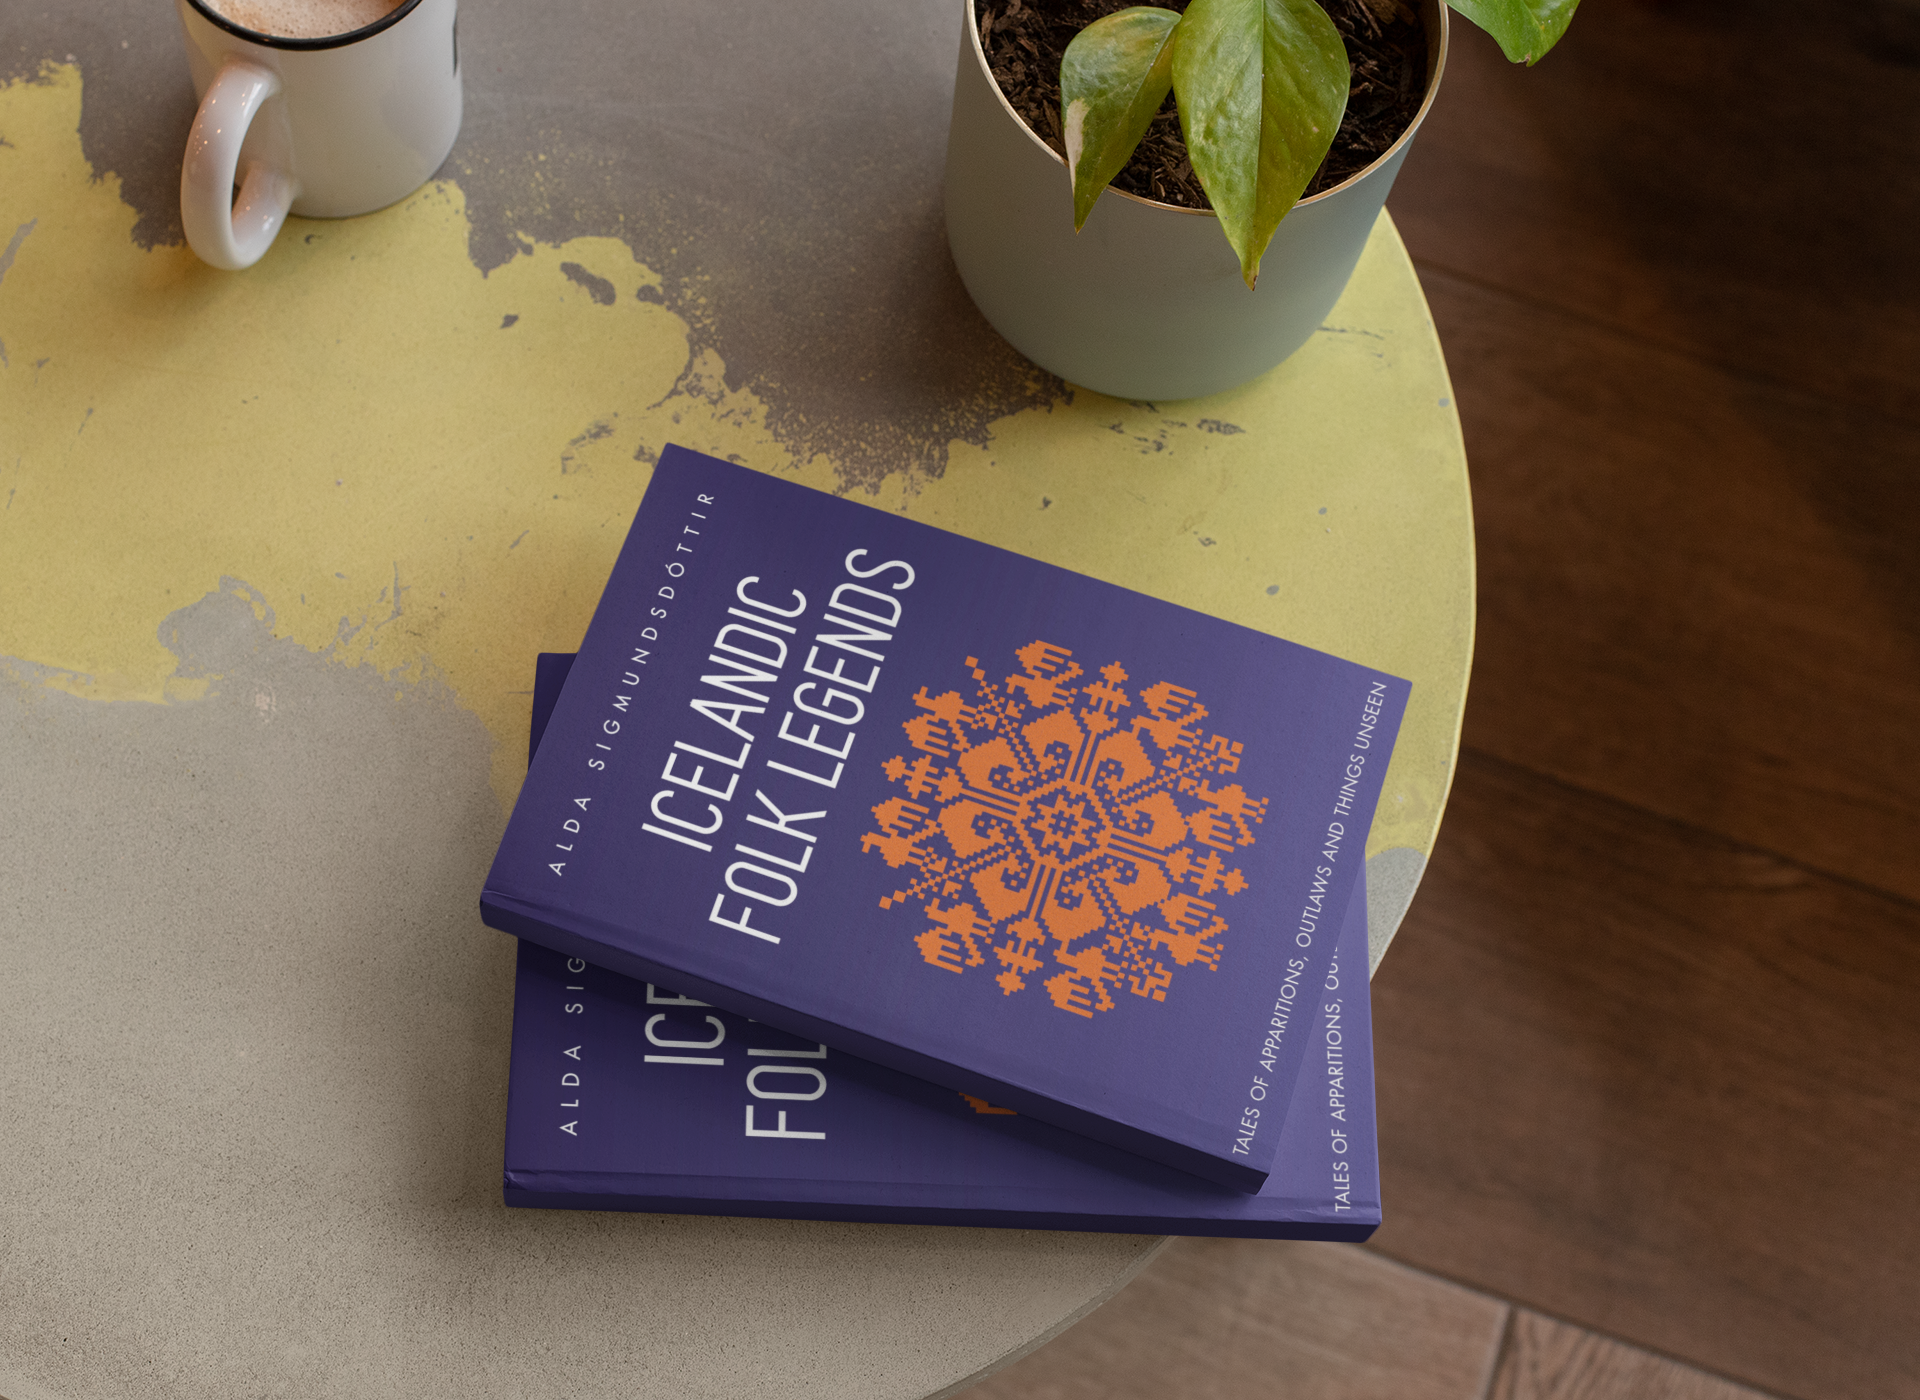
(1055, 823)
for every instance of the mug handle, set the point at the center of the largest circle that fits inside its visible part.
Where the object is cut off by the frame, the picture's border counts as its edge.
(225, 232)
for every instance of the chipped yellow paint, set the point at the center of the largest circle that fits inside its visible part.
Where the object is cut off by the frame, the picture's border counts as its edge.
(415, 467)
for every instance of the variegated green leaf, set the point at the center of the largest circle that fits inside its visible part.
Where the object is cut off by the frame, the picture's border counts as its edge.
(1114, 77)
(1261, 86)
(1524, 29)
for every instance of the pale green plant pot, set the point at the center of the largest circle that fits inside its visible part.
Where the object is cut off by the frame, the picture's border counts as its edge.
(1146, 301)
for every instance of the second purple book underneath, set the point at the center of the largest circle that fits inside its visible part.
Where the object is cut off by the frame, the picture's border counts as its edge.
(625, 1096)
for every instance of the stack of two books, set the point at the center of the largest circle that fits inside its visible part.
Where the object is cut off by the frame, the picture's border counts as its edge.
(865, 872)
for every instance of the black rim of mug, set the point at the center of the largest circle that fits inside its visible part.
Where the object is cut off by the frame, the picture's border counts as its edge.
(330, 41)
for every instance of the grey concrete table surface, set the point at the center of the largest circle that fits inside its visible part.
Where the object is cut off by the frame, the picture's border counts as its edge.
(276, 549)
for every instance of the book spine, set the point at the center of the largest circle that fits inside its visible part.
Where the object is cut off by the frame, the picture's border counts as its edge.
(842, 1201)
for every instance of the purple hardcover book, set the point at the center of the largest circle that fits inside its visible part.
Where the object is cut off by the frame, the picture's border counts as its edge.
(627, 1097)
(1075, 851)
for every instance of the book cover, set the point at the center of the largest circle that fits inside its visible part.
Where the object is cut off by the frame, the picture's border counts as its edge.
(624, 1096)
(1023, 834)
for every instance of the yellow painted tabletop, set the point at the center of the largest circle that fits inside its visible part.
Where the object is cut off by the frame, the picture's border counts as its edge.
(429, 471)
(401, 476)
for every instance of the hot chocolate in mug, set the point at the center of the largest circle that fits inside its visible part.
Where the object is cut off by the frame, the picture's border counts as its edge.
(324, 126)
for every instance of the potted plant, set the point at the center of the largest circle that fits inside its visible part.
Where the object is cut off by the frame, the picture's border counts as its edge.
(1124, 290)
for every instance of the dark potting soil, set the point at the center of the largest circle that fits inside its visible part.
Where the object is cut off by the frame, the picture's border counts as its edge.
(1386, 47)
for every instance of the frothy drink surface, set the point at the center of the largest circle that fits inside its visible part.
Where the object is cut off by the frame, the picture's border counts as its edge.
(304, 19)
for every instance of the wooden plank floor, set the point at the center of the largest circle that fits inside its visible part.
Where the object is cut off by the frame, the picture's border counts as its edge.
(1661, 1083)
(1685, 324)
(1226, 1319)
(1649, 1041)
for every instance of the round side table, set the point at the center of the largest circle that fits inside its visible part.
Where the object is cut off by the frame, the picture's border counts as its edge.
(277, 551)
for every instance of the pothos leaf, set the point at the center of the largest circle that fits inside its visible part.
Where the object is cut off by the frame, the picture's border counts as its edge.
(1261, 86)
(1114, 77)
(1524, 29)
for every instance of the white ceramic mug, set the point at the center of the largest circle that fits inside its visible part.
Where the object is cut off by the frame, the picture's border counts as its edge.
(324, 128)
